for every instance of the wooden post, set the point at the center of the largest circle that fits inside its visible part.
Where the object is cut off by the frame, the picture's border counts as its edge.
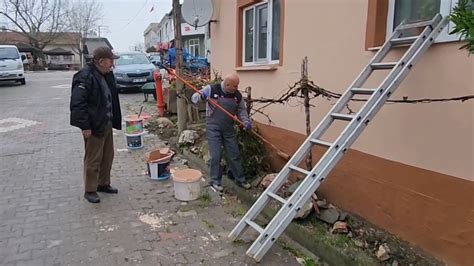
(181, 100)
(248, 90)
(305, 91)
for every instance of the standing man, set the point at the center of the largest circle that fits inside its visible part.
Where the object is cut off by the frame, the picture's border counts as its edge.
(220, 128)
(95, 109)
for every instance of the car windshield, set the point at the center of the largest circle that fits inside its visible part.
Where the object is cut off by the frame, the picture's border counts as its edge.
(130, 59)
(9, 53)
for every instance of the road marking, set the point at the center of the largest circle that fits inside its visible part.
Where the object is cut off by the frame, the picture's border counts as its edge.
(62, 86)
(13, 123)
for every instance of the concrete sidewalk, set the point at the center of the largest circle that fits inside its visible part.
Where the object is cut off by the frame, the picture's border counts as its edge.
(46, 221)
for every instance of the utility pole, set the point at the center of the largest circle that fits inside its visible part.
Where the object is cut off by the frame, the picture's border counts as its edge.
(180, 91)
(81, 49)
(101, 27)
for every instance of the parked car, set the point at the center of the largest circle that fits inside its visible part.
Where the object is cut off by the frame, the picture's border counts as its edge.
(11, 64)
(156, 60)
(133, 70)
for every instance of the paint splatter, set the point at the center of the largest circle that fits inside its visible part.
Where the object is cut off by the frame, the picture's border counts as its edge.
(108, 228)
(155, 220)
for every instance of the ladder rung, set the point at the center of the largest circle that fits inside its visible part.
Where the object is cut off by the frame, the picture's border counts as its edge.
(275, 196)
(301, 170)
(255, 226)
(415, 25)
(342, 116)
(386, 65)
(405, 40)
(321, 142)
(363, 91)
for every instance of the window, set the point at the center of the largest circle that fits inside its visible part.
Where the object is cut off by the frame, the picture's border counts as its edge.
(67, 57)
(132, 59)
(9, 53)
(261, 33)
(193, 47)
(420, 10)
(54, 57)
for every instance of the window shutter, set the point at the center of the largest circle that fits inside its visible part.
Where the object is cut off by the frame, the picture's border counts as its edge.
(376, 23)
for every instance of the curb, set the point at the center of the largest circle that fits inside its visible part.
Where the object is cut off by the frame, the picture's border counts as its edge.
(296, 232)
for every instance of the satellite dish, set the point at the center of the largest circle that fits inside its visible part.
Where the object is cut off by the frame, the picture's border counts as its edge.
(197, 12)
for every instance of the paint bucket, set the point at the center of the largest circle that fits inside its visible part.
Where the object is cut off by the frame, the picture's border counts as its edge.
(134, 141)
(158, 164)
(133, 124)
(187, 184)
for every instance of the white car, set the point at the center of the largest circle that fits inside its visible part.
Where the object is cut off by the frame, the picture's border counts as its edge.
(11, 64)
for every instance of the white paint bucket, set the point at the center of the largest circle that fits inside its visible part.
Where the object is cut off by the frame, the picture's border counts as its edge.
(187, 184)
(134, 141)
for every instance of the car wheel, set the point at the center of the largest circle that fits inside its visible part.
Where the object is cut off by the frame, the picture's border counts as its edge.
(22, 81)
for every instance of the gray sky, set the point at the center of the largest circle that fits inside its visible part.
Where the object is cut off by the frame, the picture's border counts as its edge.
(127, 20)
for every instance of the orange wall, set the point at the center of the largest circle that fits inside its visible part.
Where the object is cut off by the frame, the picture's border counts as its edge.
(430, 210)
(437, 136)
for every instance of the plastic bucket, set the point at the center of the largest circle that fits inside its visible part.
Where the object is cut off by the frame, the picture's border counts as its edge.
(187, 184)
(158, 164)
(133, 124)
(134, 141)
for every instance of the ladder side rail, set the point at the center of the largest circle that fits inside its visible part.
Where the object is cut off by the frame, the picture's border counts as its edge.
(303, 150)
(302, 196)
(395, 83)
(329, 160)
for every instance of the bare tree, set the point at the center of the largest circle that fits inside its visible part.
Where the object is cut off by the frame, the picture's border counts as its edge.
(139, 47)
(40, 21)
(83, 17)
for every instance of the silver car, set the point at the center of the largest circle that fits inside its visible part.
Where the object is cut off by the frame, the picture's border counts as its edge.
(133, 70)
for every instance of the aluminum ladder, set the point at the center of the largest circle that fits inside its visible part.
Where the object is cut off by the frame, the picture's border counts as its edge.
(356, 123)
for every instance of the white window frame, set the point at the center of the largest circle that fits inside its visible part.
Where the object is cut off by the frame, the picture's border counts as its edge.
(256, 60)
(445, 9)
(195, 45)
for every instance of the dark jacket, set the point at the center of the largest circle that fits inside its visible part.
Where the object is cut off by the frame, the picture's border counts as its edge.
(88, 106)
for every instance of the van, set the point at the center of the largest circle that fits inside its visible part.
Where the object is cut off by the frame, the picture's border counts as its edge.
(11, 64)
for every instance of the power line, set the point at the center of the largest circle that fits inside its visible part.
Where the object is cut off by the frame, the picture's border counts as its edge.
(136, 15)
